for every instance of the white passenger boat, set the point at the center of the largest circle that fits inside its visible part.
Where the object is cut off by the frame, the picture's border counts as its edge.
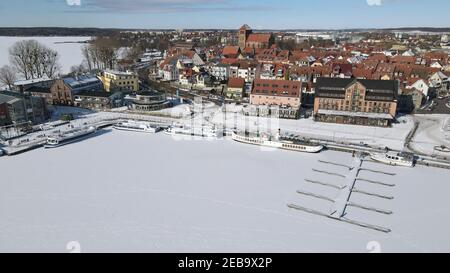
(205, 132)
(137, 127)
(69, 136)
(275, 142)
(394, 158)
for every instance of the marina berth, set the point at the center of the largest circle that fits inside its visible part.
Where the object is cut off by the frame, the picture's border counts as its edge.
(277, 142)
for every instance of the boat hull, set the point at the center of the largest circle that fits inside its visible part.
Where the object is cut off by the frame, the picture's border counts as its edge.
(148, 131)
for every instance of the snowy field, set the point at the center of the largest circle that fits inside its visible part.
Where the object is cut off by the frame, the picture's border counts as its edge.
(434, 130)
(69, 53)
(122, 191)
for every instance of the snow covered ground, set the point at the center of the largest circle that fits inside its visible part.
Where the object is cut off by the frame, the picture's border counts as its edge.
(434, 130)
(69, 53)
(122, 191)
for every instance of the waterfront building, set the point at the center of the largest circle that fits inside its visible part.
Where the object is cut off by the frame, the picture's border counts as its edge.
(17, 108)
(285, 95)
(98, 100)
(356, 101)
(64, 90)
(148, 101)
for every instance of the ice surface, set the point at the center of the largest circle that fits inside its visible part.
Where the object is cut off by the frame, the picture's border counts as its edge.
(124, 191)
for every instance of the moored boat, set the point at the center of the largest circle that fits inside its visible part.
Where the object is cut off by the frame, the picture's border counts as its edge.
(137, 127)
(276, 142)
(69, 136)
(205, 132)
(394, 158)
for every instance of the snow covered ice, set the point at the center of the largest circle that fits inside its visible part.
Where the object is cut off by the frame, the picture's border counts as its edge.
(122, 191)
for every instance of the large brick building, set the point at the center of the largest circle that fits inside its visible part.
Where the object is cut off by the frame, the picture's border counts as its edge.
(355, 101)
(285, 95)
(64, 90)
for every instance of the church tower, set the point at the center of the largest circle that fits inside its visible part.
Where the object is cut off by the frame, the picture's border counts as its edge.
(244, 32)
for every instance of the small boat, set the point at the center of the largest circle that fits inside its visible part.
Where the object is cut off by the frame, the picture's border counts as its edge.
(276, 142)
(394, 158)
(137, 127)
(69, 136)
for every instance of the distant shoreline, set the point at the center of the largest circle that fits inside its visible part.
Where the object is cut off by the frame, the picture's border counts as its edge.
(61, 31)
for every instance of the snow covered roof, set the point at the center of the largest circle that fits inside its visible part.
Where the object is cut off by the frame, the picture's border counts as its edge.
(81, 81)
(32, 81)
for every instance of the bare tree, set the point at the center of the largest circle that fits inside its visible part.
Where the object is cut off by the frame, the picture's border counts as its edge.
(7, 76)
(85, 51)
(34, 60)
(101, 54)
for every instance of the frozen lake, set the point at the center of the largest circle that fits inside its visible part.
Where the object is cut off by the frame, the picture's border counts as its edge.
(69, 53)
(123, 191)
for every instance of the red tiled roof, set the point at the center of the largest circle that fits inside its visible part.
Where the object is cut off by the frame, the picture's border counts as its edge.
(258, 38)
(230, 50)
(236, 82)
(229, 61)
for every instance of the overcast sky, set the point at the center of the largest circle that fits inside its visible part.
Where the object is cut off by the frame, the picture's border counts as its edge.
(281, 14)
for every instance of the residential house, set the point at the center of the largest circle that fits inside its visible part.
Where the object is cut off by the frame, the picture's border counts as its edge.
(235, 88)
(418, 84)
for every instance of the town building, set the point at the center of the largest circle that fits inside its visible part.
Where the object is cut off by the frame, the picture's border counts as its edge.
(98, 100)
(356, 101)
(410, 100)
(24, 85)
(235, 88)
(118, 80)
(285, 95)
(64, 90)
(40, 91)
(17, 108)
(148, 101)
(220, 71)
